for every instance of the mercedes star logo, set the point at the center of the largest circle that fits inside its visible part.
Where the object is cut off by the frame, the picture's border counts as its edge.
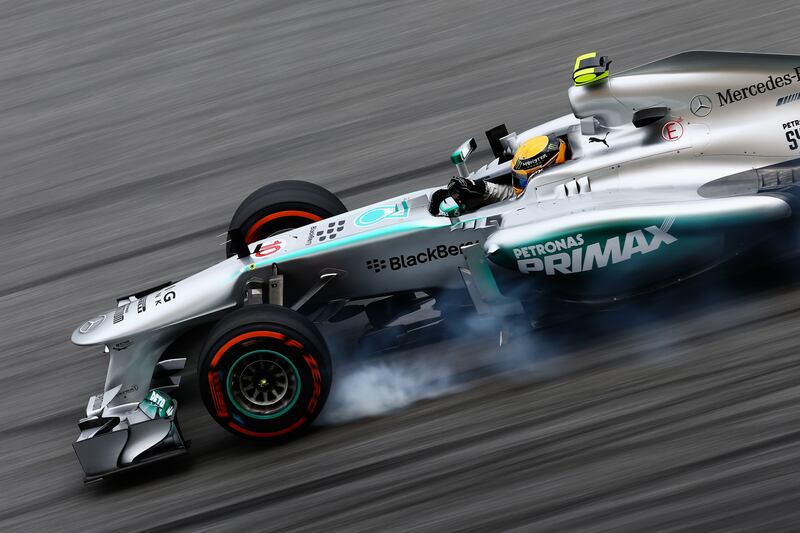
(700, 105)
(91, 324)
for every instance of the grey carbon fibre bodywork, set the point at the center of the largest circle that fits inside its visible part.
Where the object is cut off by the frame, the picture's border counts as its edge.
(636, 207)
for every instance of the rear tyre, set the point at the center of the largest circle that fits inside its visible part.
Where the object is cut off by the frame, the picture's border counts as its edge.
(265, 372)
(281, 206)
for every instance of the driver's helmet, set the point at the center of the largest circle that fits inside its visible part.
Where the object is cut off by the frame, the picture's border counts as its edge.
(535, 155)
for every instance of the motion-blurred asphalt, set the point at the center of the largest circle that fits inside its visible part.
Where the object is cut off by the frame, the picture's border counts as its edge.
(130, 130)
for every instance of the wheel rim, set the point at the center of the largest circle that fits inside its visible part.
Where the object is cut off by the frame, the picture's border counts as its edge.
(263, 384)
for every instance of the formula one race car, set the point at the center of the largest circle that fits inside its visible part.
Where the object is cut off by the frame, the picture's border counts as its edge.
(663, 171)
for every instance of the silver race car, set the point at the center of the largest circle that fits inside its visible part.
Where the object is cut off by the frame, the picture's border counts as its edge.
(659, 173)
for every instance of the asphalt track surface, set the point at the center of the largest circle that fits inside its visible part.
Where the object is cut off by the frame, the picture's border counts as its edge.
(129, 131)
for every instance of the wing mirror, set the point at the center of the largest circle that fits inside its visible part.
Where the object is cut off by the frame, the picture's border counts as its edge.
(459, 157)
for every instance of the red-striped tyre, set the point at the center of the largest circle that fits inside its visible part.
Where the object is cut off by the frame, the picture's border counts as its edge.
(265, 372)
(281, 206)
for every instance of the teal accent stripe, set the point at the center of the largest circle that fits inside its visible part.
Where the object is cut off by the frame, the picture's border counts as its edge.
(402, 227)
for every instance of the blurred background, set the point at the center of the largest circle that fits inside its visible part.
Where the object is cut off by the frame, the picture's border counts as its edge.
(129, 133)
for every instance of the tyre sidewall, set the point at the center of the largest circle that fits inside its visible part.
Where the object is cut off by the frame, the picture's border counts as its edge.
(314, 201)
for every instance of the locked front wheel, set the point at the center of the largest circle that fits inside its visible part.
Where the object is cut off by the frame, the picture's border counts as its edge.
(265, 372)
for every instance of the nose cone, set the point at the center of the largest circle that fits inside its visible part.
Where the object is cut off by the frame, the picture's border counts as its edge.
(84, 333)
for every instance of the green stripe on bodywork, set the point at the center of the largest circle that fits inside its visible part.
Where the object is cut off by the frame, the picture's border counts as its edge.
(352, 239)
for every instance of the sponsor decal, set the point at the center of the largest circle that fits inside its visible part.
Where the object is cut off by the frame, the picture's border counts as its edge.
(119, 313)
(376, 265)
(311, 231)
(429, 255)
(731, 96)
(531, 162)
(599, 140)
(700, 106)
(570, 256)
(331, 231)
(89, 325)
(132, 388)
(382, 212)
(267, 249)
(164, 295)
(791, 131)
(549, 247)
(157, 405)
(788, 99)
(141, 305)
(157, 399)
(672, 130)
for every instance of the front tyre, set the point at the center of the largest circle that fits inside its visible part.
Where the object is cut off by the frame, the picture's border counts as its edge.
(282, 206)
(265, 372)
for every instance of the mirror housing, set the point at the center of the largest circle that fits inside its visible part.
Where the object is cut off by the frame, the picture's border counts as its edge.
(460, 156)
(494, 135)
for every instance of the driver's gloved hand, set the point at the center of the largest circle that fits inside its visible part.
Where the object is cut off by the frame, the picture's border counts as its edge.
(469, 194)
(437, 198)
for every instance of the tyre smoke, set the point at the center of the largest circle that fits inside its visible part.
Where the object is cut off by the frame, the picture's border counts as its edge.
(463, 348)
(439, 359)
(375, 388)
